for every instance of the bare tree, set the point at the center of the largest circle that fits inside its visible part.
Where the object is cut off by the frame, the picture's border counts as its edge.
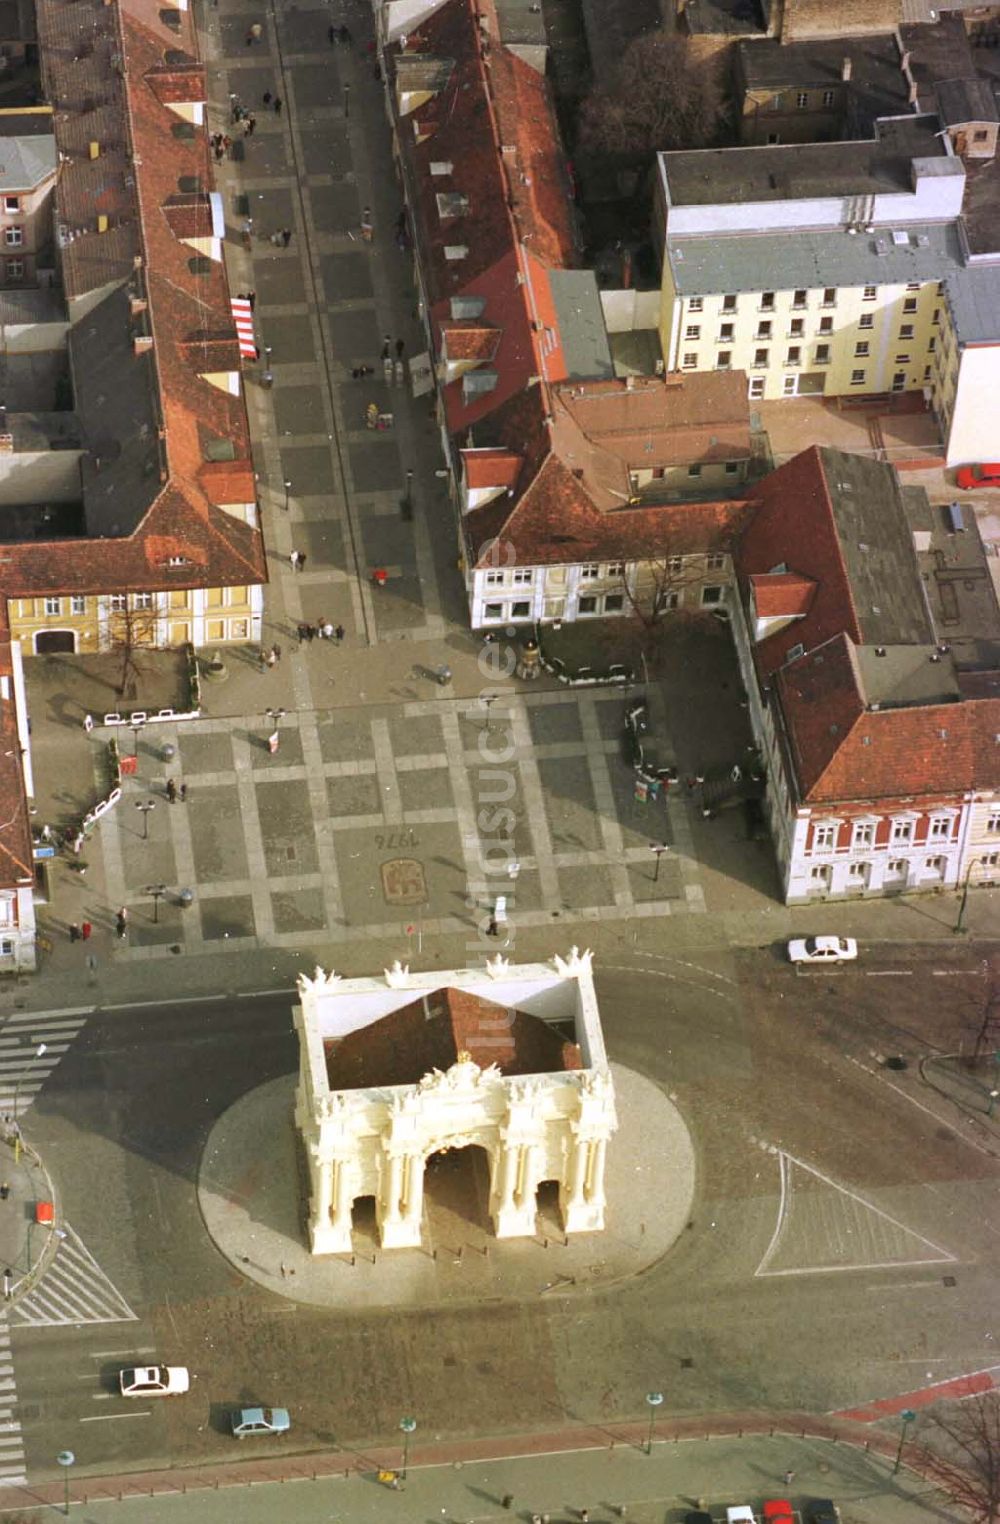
(660, 97)
(656, 587)
(130, 630)
(966, 1462)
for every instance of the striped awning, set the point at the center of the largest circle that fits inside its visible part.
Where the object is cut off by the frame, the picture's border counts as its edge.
(243, 318)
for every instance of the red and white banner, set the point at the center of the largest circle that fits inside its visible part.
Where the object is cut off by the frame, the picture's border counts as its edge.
(243, 318)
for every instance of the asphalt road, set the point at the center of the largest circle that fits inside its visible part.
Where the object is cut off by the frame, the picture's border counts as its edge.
(840, 1247)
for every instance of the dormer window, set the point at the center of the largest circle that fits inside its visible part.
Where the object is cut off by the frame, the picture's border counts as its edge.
(440, 167)
(451, 204)
(456, 251)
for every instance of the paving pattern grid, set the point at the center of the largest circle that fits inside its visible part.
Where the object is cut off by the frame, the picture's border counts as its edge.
(366, 823)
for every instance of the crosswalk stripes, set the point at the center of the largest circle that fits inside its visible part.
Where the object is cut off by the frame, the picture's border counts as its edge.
(73, 1290)
(13, 1469)
(30, 1049)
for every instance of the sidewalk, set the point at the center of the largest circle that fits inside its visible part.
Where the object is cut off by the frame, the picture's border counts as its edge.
(25, 1246)
(612, 1480)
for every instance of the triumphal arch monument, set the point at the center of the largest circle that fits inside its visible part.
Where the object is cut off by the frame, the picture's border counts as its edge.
(509, 1057)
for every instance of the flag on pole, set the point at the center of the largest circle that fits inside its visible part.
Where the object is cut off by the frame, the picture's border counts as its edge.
(243, 318)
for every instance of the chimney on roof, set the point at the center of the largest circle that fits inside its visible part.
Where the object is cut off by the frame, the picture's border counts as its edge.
(142, 343)
(846, 68)
(913, 94)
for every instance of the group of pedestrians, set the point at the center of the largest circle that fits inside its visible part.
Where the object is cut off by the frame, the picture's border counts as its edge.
(321, 630)
(82, 931)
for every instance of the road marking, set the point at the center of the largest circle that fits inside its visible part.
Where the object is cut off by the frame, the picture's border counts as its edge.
(957, 1387)
(124, 1354)
(74, 1289)
(109, 1417)
(889, 973)
(845, 1217)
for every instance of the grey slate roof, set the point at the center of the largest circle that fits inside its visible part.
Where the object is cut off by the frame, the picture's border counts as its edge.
(974, 298)
(966, 100)
(26, 161)
(789, 261)
(877, 546)
(705, 176)
(581, 324)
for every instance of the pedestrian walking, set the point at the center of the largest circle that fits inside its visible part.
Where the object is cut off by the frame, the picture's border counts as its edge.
(184, 793)
(367, 226)
(227, 144)
(387, 347)
(347, 102)
(8, 1283)
(327, 630)
(294, 559)
(311, 632)
(88, 723)
(340, 632)
(255, 34)
(493, 929)
(249, 125)
(507, 1501)
(331, 33)
(171, 791)
(400, 348)
(360, 371)
(234, 109)
(74, 932)
(86, 930)
(121, 922)
(276, 652)
(270, 660)
(346, 39)
(789, 1478)
(286, 237)
(266, 98)
(4, 1191)
(300, 632)
(252, 299)
(277, 105)
(301, 561)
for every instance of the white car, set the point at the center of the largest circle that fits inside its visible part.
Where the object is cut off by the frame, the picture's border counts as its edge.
(822, 950)
(154, 1380)
(741, 1513)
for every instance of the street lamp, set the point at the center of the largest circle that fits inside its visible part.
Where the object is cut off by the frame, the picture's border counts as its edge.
(150, 804)
(288, 488)
(66, 1459)
(407, 1425)
(658, 847)
(654, 1399)
(959, 926)
(906, 1417)
(157, 891)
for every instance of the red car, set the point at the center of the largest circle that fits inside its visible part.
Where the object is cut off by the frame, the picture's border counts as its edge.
(777, 1511)
(985, 475)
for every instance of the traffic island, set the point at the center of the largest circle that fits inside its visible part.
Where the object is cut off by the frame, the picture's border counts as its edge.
(252, 1190)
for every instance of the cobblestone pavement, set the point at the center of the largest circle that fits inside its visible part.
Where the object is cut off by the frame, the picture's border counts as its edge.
(366, 823)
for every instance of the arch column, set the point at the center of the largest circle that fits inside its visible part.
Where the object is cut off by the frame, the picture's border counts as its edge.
(582, 1201)
(397, 1230)
(515, 1205)
(324, 1234)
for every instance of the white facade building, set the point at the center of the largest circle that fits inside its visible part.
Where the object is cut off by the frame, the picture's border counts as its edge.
(535, 1124)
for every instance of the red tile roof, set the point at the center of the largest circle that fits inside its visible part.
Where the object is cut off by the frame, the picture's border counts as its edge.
(843, 750)
(178, 534)
(779, 595)
(434, 1030)
(491, 468)
(574, 496)
(650, 421)
(793, 530)
(490, 119)
(468, 340)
